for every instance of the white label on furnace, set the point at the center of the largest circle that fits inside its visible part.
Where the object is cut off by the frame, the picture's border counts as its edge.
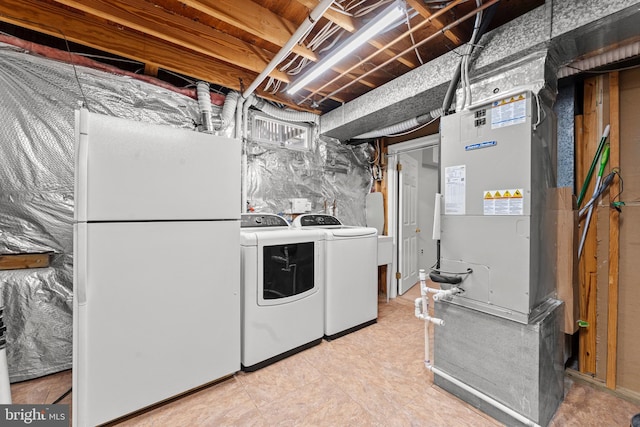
(509, 111)
(504, 202)
(454, 190)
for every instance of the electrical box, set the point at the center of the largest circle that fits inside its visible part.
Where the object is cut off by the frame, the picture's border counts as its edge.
(497, 166)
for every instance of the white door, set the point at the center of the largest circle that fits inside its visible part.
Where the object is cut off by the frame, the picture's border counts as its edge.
(408, 229)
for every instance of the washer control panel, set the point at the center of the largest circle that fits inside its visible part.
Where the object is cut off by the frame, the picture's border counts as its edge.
(262, 220)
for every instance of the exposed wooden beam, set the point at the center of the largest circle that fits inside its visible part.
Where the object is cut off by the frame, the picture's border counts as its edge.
(20, 261)
(592, 130)
(254, 19)
(142, 16)
(614, 232)
(93, 32)
(151, 69)
(347, 23)
(419, 7)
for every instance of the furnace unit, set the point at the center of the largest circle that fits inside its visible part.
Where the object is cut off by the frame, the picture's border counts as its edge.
(497, 167)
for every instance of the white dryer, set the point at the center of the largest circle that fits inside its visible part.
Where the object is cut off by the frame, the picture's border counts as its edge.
(351, 273)
(282, 276)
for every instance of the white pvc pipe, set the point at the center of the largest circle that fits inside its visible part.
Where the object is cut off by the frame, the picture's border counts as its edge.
(422, 312)
(442, 293)
(302, 30)
(524, 420)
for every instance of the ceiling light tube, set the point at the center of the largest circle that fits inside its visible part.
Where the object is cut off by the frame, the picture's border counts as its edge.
(373, 27)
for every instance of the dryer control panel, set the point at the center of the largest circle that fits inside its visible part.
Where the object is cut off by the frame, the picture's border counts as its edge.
(310, 220)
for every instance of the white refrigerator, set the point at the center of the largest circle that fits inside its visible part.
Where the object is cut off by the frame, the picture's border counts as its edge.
(156, 264)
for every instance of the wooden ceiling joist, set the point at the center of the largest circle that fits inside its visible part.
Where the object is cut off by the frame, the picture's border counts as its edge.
(120, 41)
(142, 16)
(347, 23)
(254, 19)
(230, 42)
(419, 7)
(98, 34)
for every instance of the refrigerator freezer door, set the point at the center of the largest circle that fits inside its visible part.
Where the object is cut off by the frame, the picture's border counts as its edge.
(128, 171)
(156, 313)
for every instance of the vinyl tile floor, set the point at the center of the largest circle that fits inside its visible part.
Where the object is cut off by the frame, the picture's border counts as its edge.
(371, 377)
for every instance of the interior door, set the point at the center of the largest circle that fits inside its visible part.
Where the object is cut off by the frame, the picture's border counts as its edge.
(408, 229)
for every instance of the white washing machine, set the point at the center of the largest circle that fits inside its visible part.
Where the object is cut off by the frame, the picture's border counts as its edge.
(282, 276)
(351, 273)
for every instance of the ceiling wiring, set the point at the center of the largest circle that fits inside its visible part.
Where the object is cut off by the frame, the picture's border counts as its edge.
(325, 39)
(413, 40)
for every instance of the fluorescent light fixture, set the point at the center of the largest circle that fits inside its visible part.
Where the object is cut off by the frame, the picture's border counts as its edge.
(373, 27)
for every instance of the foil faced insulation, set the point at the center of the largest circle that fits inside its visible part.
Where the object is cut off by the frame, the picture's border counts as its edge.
(334, 177)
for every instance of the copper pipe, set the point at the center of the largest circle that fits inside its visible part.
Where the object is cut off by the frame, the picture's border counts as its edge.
(385, 47)
(431, 37)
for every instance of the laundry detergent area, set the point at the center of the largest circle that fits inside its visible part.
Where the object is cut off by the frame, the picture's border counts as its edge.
(452, 246)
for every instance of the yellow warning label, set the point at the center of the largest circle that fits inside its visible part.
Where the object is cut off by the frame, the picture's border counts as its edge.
(521, 97)
(506, 194)
(497, 195)
(488, 195)
(517, 194)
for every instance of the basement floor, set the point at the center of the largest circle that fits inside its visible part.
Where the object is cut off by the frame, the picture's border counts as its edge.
(372, 377)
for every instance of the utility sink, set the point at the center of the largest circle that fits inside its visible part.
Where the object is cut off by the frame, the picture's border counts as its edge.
(385, 250)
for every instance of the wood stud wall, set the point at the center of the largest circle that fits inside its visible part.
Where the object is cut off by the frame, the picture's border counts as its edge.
(586, 144)
(601, 254)
(614, 233)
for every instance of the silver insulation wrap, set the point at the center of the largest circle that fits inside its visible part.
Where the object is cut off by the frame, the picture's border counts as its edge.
(334, 177)
(39, 96)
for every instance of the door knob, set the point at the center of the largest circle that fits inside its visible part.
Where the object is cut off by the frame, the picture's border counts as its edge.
(417, 230)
